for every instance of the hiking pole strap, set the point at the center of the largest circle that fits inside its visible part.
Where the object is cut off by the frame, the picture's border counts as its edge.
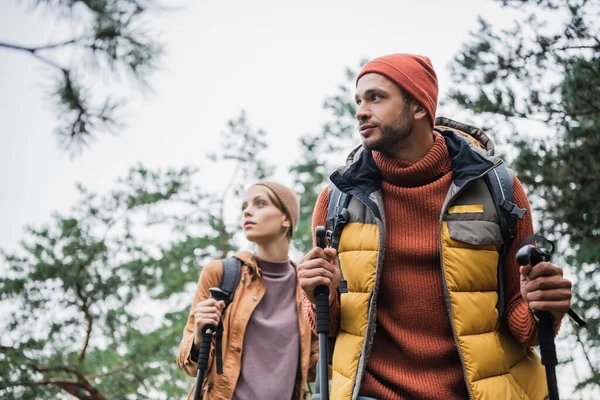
(203, 356)
(219, 348)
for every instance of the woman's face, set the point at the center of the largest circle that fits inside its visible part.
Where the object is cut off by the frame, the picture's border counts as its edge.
(262, 221)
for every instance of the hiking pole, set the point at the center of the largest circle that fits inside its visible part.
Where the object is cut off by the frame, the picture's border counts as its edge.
(532, 255)
(207, 335)
(322, 303)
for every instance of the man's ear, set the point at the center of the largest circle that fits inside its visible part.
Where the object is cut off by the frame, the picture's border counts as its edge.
(419, 111)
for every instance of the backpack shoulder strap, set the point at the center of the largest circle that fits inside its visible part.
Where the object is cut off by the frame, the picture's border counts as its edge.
(501, 182)
(337, 215)
(337, 218)
(229, 281)
(333, 197)
(231, 276)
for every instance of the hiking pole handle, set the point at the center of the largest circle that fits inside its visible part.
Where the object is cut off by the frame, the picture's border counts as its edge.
(322, 311)
(532, 255)
(203, 355)
(548, 351)
(207, 336)
(322, 291)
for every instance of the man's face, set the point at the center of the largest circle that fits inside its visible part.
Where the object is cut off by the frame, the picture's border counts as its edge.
(384, 117)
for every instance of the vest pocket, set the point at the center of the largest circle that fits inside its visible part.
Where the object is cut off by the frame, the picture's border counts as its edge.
(475, 232)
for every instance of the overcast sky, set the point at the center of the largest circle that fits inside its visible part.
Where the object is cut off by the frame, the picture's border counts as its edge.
(278, 60)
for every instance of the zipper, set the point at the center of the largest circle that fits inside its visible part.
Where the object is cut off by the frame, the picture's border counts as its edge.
(446, 291)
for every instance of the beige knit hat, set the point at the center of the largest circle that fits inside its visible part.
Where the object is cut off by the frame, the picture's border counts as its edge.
(288, 199)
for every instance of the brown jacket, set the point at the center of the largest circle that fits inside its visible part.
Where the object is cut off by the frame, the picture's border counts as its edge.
(248, 294)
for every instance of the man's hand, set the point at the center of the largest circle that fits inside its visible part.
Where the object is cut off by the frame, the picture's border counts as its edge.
(207, 312)
(544, 289)
(319, 267)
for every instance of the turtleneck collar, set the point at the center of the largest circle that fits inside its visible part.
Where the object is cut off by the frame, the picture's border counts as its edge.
(403, 173)
(274, 268)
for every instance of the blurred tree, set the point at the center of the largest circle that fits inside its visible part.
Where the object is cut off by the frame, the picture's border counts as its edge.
(547, 69)
(241, 145)
(110, 39)
(99, 297)
(321, 153)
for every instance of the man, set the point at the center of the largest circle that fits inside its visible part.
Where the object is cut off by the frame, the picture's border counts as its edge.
(430, 311)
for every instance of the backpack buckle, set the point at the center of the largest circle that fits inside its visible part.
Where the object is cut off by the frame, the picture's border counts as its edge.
(513, 209)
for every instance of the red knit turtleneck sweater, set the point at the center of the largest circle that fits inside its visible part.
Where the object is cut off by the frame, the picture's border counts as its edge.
(413, 354)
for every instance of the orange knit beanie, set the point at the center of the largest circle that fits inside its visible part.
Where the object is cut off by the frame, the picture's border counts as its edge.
(412, 73)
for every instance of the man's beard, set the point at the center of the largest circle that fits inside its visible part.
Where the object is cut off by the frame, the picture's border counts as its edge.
(392, 135)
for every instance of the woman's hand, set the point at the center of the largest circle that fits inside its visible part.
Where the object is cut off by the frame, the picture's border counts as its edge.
(207, 312)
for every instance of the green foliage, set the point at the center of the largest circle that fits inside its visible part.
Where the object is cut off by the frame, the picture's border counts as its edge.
(309, 175)
(538, 73)
(83, 286)
(87, 289)
(244, 144)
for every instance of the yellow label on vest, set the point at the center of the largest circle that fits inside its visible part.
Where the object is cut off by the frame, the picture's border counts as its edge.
(472, 208)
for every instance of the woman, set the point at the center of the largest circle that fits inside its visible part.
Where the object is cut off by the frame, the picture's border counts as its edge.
(269, 352)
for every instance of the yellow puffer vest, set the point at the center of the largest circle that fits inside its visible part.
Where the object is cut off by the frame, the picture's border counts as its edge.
(495, 365)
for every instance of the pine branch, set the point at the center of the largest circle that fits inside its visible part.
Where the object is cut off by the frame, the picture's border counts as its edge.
(116, 41)
(34, 52)
(76, 389)
(585, 354)
(73, 387)
(85, 308)
(43, 47)
(125, 366)
(565, 48)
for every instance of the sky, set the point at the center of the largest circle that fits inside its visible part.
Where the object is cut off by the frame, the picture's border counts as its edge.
(278, 60)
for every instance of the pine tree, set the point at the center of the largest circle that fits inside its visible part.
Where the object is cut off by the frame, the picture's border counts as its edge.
(549, 74)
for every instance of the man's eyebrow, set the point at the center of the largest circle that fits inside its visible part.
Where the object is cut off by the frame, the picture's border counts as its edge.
(371, 91)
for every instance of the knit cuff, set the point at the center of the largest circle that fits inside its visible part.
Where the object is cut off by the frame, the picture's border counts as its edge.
(522, 324)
